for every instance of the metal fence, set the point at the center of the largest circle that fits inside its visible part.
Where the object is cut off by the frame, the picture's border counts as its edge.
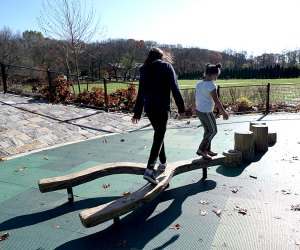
(259, 98)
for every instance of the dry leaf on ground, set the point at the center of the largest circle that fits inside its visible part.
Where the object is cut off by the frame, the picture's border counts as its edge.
(217, 211)
(126, 193)
(234, 190)
(176, 226)
(204, 202)
(241, 210)
(4, 236)
(21, 169)
(106, 185)
(202, 212)
(121, 243)
(296, 207)
(285, 191)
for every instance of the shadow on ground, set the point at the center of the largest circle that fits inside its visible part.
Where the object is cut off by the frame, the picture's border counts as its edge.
(133, 224)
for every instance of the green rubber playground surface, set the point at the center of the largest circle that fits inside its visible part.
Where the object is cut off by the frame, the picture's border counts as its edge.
(184, 216)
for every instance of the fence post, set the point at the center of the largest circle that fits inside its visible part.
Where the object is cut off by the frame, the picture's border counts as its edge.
(105, 94)
(4, 77)
(268, 99)
(218, 94)
(50, 86)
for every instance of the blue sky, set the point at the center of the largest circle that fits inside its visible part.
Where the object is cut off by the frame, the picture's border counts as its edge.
(256, 26)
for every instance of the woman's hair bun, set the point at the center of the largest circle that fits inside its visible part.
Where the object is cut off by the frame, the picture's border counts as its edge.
(219, 65)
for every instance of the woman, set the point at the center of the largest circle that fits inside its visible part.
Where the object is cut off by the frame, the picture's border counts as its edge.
(157, 81)
(206, 97)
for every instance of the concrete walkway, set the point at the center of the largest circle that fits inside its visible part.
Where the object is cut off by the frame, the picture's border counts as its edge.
(28, 125)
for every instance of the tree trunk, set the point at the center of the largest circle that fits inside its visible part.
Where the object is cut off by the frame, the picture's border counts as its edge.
(260, 137)
(243, 142)
(233, 158)
(272, 138)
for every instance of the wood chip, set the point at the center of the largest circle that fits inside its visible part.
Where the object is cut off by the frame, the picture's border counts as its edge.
(126, 193)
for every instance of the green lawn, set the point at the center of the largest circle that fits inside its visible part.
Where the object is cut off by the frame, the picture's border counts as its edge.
(240, 82)
(189, 84)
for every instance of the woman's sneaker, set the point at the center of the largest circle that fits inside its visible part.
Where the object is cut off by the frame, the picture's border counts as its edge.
(162, 167)
(149, 175)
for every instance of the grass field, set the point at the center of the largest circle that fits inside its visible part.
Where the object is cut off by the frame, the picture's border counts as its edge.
(190, 84)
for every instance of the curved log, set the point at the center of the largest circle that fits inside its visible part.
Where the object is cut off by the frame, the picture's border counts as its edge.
(114, 209)
(90, 174)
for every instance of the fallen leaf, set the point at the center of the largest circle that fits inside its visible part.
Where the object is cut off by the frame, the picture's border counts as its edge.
(217, 211)
(46, 158)
(241, 210)
(234, 190)
(285, 191)
(252, 176)
(121, 243)
(204, 202)
(126, 193)
(56, 226)
(202, 212)
(21, 169)
(176, 226)
(296, 207)
(4, 236)
(106, 185)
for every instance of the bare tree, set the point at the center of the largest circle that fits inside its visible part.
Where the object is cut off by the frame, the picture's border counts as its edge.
(72, 23)
(9, 46)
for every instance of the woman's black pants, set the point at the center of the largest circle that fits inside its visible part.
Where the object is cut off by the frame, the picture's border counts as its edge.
(159, 123)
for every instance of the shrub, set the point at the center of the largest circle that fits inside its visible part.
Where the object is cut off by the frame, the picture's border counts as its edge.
(243, 104)
(60, 90)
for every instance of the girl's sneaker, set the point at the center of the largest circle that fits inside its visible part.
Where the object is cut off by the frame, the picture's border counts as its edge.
(204, 154)
(211, 153)
(149, 175)
(162, 167)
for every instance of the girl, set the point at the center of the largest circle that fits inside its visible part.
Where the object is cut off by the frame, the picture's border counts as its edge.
(206, 97)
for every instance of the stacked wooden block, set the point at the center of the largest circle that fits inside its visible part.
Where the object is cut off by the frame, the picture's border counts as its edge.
(247, 143)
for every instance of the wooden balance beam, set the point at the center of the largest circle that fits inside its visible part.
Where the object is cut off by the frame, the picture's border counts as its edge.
(112, 210)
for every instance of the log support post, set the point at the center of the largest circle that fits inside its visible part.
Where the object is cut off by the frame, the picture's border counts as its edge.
(70, 194)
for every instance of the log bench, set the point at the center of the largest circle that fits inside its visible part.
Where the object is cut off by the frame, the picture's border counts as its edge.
(112, 210)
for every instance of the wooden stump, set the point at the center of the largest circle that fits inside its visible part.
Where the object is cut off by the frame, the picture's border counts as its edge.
(272, 138)
(256, 123)
(243, 142)
(260, 137)
(233, 158)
